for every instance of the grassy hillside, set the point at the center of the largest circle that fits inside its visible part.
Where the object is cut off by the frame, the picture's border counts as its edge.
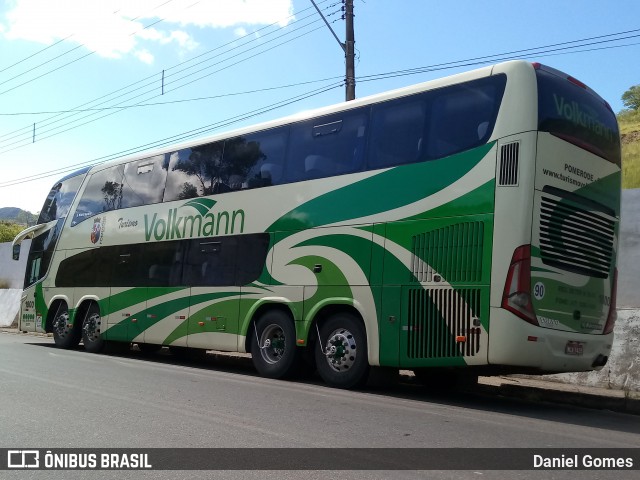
(630, 133)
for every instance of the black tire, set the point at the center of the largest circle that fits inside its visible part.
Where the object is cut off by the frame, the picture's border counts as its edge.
(275, 354)
(149, 347)
(341, 353)
(445, 380)
(64, 336)
(91, 330)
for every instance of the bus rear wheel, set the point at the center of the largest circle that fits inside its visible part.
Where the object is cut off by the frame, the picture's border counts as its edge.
(341, 352)
(65, 335)
(91, 336)
(273, 345)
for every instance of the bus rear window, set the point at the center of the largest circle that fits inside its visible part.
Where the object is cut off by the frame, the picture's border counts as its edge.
(577, 115)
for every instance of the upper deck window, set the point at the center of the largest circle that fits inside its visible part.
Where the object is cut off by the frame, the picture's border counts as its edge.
(59, 200)
(574, 113)
(436, 123)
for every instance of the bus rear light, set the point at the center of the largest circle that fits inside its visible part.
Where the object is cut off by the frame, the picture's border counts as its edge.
(613, 314)
(577, 82)
(517, 289)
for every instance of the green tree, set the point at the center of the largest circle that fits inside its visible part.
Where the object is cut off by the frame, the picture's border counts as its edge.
(8, 231)
(631, 98)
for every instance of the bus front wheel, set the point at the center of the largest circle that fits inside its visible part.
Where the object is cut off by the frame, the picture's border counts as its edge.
(65, 335)
(91, 337)
(273, 345)
(341, 352)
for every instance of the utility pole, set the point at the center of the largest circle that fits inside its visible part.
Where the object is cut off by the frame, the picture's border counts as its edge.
(349, 52)
(348, 47)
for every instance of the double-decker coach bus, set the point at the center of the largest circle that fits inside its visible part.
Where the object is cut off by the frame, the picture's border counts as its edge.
(466, 224)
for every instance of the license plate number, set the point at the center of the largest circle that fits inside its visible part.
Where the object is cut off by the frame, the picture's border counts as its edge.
(574, 348)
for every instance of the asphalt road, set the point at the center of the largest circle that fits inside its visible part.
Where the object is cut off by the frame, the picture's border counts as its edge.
(51, 398)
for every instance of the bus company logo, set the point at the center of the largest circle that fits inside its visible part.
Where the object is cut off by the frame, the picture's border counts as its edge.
(206, 223)
(582, 115)
(96, 231)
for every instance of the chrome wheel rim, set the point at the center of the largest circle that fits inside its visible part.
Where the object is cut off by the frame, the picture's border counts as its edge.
(341, 350)
(60, 323)
(91, 328)
(272, 344)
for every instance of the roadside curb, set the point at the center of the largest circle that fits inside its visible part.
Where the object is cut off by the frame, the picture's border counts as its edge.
(574, 395)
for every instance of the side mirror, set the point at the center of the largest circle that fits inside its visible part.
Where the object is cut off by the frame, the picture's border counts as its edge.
(16, 252)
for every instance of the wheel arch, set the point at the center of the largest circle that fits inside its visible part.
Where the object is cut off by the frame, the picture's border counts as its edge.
(258, 310)
(83, 307)
(53, 308)
(323, 310)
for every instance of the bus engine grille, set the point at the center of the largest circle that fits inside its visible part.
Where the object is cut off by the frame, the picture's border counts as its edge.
(443, 323)
(574, 238)
(453, 252)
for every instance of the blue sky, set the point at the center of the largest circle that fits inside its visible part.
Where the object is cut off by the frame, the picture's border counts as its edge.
(59, 55)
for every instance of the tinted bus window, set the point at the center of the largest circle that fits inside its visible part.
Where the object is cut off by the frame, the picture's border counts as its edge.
(257, 159)
(144, 181)
(577, 115)
(60, 197)
(233, 260)
(434, 124)
(397, 131)
(102, 194)
(91, 268)
(463, 116)
(326, 146)
(41, 253)
(211, 262)
(196, 172)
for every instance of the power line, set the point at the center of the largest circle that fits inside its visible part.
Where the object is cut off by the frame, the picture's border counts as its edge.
(23, 132)
(185, 100)
(538, 51)
(544, 50)
(28, 142)
(178, 137)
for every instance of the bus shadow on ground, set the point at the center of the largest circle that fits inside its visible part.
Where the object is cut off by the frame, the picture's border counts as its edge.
(481, 398)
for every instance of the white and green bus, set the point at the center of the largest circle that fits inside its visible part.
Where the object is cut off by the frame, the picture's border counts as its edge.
(466, 224)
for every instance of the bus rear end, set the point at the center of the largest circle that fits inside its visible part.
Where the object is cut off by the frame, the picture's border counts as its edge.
(557, 309)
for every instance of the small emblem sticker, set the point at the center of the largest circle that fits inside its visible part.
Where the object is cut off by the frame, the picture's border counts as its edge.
(96, 231)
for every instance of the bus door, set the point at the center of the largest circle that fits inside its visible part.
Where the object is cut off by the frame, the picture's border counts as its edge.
(210, 270)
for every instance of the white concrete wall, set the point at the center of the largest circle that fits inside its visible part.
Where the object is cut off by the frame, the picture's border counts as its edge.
(11, 271)
(622, 371)
(629, 259)
(11, 274)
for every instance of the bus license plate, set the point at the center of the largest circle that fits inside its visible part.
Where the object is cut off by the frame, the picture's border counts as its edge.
(574, 348)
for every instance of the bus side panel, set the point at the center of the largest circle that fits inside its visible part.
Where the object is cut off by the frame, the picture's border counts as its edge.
(126, 305)
(213, 318)
(439, 270)
(167, 312)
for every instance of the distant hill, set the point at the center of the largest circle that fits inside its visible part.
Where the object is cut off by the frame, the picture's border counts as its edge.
(18, 215)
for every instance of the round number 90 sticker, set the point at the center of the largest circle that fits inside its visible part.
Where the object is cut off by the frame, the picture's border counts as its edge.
(538, 290)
